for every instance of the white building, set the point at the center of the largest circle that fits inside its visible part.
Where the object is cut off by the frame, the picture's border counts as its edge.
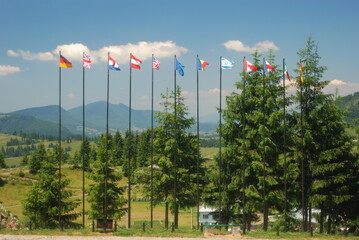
(206, 215)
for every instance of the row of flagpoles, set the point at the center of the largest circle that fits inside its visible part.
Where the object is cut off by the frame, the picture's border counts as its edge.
(135, 63)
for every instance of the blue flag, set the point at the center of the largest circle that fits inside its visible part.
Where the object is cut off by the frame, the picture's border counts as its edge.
(179, 68)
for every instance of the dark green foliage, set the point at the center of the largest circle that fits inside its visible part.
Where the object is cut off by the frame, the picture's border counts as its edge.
(96, 191)
(42, 205)
(329, 165)
(166, 148)
(38, 158)
(350, 105)
(28, 124)
(82, 157)
(2, 161)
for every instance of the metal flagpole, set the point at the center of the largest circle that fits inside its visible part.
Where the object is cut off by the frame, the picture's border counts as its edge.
(220, 141)
(175, 153)
(83, 144)
(284, 148)
(107, 127)
(152, 138)
(197, 64)
(244, 148)
(59, 141)
(129, 152)
(302, 146)
(265, 222)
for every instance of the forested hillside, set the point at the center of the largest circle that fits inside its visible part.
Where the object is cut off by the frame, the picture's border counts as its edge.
(350, 105)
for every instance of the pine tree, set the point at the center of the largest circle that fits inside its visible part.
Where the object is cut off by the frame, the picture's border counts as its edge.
(328, 165)
(96, 191)
(166, 148)
(43, 203)
(2, 161)
(38, 157)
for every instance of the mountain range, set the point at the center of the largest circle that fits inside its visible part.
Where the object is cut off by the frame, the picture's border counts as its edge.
(71, 120)
(44, 120)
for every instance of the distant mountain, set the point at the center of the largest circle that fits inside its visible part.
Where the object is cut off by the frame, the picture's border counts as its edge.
(51, 113)
(350, 105)
(29, 124)
(95, 118)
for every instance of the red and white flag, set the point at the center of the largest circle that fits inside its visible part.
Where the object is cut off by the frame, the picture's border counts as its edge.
(249, 67)
(155, 63)
(135, 62)
(86, 60)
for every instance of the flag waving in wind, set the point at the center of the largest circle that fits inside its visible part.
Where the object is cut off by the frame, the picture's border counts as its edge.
(179, 68)
(201, 64)
(86, 61)
(112, 64)
(64, 63)
(226, 64)
(267, 67)
(286, 70)
(301, 71)
(135, 62)
(249, 67)
(155, 63)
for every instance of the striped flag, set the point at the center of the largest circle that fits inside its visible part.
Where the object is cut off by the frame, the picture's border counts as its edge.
(86, 61)
(155, 63)
(201, 64)
(267, 67)
(286, 70)
(226, 64)
(112, 64)
(64, 63)
(135, 62)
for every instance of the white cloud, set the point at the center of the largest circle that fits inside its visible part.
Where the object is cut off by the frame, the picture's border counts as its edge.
(337, 82)
(7, 69)
(142, 50)
(73, 52)
(238, 46)
(341, 88)
(27, 55)
(71, 95)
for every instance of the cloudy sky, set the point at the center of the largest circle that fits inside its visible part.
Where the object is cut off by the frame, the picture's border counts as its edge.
(33, 32)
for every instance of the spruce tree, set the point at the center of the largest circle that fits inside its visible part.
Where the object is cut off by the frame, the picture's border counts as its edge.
(327, 163)
(48, 196)
(167, 146)
(115, 200)
(2, 161)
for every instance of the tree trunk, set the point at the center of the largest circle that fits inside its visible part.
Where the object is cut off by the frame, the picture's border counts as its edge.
(265, 217)
(176, 216)
(329, 228)
(321, 220)
(166, 214)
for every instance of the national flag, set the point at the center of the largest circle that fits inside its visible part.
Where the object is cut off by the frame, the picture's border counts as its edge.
(301, 71)
(286, 70)
(267, 67)
(226, 64)
(112, 64)
(86, 61)
(201, 64)
(179, 68)
(64, 63)
(135, 62)
(249, 67)
(155, 63)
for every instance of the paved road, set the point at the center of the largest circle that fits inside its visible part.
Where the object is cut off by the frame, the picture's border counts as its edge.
(42, 237)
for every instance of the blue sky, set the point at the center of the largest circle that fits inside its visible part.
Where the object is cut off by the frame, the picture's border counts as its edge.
(32, 33)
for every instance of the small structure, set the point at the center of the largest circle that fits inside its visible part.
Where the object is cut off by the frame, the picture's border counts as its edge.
(206, 215)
